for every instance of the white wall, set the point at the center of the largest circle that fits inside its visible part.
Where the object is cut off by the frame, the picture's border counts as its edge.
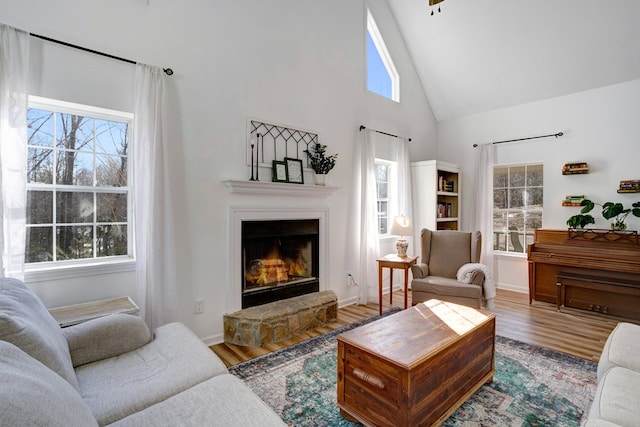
(600, 126)
(299, 63)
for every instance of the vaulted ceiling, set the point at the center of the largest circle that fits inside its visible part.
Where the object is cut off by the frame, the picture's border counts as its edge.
(477, 56)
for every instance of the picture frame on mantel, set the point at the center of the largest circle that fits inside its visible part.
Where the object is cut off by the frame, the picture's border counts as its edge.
(294, 170)
(280, 171)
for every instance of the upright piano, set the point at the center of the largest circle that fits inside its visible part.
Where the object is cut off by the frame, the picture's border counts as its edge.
(597, 270)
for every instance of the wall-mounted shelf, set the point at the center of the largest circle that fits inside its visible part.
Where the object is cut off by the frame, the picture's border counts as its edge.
(278, 188)
(575, 168)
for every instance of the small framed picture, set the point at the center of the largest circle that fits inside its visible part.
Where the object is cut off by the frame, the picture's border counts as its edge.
(294, 170)
(279, 171)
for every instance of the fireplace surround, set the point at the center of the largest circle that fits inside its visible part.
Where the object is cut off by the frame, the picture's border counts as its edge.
(317, 269)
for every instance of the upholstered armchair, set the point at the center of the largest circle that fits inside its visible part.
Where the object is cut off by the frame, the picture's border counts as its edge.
(449, 269)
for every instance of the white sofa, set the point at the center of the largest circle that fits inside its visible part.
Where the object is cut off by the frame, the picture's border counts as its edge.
(617, 398)
(112, 371)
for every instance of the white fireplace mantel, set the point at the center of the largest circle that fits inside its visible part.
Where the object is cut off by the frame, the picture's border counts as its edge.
(279, 188)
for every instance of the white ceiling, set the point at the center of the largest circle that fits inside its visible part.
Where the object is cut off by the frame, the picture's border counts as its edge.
(478, 56)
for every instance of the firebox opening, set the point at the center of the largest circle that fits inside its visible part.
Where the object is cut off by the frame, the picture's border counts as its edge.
(280, 260)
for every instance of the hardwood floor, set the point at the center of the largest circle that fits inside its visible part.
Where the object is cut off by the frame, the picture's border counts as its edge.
(577, 332)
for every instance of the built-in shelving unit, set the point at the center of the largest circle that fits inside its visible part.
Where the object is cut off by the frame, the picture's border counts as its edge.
(436, 190)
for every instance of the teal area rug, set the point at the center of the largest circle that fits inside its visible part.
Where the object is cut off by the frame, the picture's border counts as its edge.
(533, 386)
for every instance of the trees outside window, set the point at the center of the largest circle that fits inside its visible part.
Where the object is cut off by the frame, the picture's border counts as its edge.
(77, 182)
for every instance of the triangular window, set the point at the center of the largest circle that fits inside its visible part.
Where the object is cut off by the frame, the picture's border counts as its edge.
(382, 77)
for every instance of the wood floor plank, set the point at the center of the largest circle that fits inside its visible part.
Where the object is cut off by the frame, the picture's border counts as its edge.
(577, 332)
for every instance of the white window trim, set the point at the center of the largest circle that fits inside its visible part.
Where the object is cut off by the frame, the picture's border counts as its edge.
(46, 271)
(381, 47)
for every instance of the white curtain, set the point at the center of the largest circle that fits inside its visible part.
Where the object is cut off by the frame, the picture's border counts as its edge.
(364, 228)
(405, 207)
(154, 222)
(483, 201)
(14, 71)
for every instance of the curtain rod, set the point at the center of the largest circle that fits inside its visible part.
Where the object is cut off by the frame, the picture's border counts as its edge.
(363, 127)
(168, 71)
(559, 134)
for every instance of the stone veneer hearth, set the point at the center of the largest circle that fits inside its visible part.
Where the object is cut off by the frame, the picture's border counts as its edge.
(280, 320)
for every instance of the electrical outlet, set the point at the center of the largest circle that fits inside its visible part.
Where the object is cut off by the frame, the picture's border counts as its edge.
(198, 306)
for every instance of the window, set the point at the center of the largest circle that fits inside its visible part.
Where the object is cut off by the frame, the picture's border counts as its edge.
(517, 206)
(382, 77)
(78, 205)
(384, 174)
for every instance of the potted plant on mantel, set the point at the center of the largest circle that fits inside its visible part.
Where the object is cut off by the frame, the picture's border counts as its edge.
(610, 210)
(320, 162)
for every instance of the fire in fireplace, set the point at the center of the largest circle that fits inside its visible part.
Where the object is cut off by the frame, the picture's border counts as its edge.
(280, 260)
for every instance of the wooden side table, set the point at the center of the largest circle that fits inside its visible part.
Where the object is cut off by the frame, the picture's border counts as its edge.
(73, 314)
(392, 261)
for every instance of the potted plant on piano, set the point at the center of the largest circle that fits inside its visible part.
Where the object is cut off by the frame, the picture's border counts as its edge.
(612, 211)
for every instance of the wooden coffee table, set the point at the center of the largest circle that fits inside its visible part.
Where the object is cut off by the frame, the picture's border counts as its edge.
(415, 367)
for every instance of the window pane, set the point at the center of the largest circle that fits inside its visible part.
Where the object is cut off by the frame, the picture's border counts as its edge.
(533, 220)
(74, 132)
(74, 207)
(382, 173)
(111, 240)
(516, 198)
(500, 177)
(500, 232)
(40, 165)
(500, 199)
(74, 242)
(534, 175)
(111, 137)
(39, 207)
(39, 244)
(111, 207)
(516, 176)
(378, 79)
(534, 197)
(40, 127)
(111, 171)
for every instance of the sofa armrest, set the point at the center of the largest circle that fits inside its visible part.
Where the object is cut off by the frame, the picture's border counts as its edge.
(420, 271)
(105, 337)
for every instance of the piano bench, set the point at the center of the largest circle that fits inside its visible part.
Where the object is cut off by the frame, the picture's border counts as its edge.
(618, 296)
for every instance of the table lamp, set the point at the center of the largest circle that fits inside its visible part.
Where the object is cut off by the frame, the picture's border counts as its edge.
(402, 227)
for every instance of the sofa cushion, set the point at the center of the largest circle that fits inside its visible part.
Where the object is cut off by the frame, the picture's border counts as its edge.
(105, 337)
(26, 323)
(120, 386)
(221, 401)
(621, 349)
(31, 394)
(616, 398)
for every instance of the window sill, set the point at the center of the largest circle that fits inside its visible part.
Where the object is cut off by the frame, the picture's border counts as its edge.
(43, 274)
(510, 255)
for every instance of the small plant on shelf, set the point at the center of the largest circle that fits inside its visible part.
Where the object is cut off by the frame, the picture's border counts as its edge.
(319, 161)
(610, 211)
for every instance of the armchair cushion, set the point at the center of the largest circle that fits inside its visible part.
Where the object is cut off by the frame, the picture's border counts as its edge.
(449, 250)
(26, 323)
(106, 337)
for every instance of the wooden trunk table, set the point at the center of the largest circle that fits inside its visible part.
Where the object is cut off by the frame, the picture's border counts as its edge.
(415, 367)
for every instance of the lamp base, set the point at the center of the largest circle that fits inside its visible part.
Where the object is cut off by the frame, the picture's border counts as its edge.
(401, 247)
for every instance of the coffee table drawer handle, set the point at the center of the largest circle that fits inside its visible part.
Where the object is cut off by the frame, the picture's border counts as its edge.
(366, 377)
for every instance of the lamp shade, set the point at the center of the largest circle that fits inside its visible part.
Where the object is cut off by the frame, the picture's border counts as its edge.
(401, 226)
